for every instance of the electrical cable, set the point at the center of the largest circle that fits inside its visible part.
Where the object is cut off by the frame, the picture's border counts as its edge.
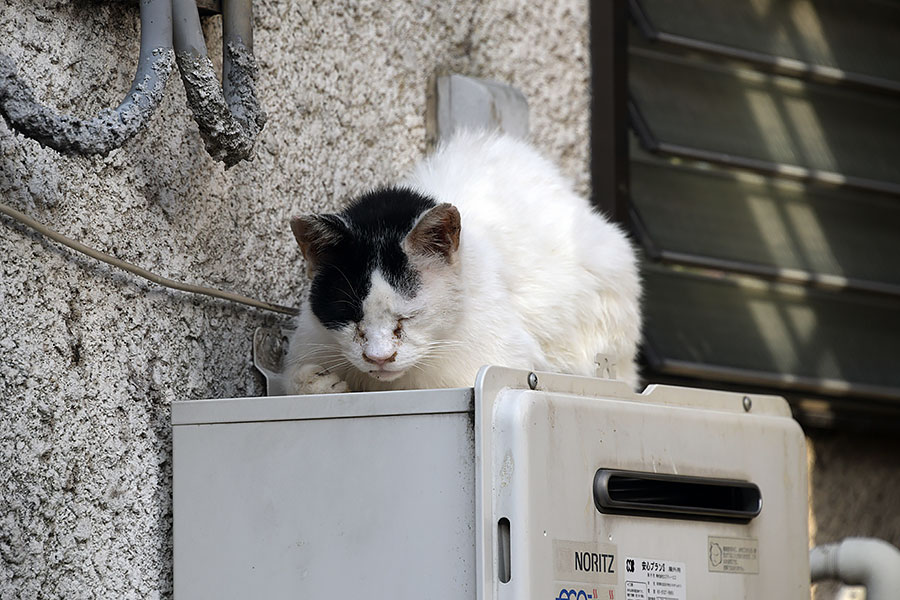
(163, 281)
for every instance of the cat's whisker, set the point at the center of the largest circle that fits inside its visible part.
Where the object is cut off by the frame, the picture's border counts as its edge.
(453, 343)
(336, 365)
(427, 361)
(440, 349)
(325, 361)
(313, 356)
(306, 358)
(349, 301)
(349, 285)
(321, 347)
(320, 350)
(315, 345)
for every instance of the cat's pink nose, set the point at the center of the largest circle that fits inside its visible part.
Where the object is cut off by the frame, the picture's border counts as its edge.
(379, 360)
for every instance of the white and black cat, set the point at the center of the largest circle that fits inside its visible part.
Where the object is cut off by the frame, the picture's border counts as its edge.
(483, 255)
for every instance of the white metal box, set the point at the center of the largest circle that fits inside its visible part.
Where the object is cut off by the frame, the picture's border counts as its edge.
(491, 492)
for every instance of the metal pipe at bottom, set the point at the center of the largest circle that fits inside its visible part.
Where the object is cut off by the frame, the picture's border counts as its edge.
(859, 561)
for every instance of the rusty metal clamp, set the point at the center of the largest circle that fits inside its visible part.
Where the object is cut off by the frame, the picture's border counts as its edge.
(229, 116)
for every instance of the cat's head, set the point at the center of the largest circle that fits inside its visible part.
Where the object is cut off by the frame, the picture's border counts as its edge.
(385, 278)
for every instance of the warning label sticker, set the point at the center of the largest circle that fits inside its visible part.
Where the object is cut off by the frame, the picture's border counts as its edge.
(654, 579)
(733, 555)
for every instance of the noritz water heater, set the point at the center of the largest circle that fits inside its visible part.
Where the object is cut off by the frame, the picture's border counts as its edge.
(525, 487)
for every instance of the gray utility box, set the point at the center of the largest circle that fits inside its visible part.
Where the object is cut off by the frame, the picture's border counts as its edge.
(574, 490)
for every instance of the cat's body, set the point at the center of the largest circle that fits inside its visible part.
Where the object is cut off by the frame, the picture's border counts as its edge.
(484, 255)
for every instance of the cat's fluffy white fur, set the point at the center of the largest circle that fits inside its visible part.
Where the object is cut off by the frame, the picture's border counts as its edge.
(540, 281)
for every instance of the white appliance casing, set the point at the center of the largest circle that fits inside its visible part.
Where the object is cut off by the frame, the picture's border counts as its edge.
(399, 494)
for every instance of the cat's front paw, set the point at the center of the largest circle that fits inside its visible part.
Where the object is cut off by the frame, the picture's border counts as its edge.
(315, 379)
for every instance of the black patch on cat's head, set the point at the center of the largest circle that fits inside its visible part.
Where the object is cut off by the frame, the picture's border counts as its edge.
(365, 236)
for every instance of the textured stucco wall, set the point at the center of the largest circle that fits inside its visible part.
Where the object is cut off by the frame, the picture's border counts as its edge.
(90, 358)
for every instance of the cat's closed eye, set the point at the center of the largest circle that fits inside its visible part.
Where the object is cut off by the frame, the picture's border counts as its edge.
(399, 329)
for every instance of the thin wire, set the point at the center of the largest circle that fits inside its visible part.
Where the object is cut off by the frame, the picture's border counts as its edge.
(163, 281)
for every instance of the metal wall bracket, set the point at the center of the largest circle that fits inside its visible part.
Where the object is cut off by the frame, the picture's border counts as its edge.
(269, 348)
(459, 102)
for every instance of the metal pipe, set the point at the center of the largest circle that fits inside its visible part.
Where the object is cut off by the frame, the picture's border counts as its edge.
(229, 120)
(111, 127)
(859, 561)
(238, 65)
(237, 22)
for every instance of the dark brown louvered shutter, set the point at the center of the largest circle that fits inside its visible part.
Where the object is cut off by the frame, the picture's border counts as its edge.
(764, 181)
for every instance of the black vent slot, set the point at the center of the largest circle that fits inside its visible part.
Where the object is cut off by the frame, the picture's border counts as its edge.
(675, 496)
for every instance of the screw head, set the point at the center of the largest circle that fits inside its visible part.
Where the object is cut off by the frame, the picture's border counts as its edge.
(747, 403)
(532, 380)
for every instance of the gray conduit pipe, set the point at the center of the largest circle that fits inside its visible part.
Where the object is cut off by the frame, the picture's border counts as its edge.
(229, 120)
(859, 561)
(111, 127)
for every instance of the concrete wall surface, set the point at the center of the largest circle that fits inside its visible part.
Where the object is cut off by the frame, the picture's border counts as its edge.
(91, 358)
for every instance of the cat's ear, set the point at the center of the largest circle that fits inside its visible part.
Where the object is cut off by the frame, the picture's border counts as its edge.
(436, 233)
(316, 235)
